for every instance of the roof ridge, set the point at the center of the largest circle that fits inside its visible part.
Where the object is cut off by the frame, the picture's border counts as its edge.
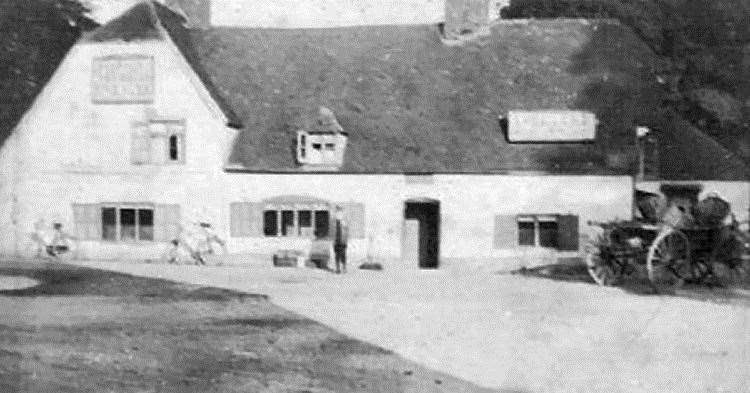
(139, 22)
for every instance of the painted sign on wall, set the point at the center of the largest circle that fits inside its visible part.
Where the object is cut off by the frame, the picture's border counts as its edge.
(125, 79)
(551, 126)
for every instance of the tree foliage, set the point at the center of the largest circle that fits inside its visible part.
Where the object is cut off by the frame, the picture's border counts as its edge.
(705, 43)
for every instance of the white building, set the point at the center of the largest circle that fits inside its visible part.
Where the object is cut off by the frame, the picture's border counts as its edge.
(503, 147)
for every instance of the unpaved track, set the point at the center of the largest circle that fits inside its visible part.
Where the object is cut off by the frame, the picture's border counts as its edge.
(511, 332)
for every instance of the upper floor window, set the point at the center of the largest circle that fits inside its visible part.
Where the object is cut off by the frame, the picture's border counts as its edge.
(159, 142)
(546, 126)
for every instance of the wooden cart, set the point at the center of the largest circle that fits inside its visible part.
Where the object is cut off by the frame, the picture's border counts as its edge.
(670, 255)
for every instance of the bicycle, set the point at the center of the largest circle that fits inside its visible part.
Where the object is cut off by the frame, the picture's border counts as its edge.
(200, 243)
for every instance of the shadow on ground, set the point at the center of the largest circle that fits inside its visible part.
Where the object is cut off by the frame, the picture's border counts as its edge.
(88, 330)
(573, 270)
(65, 280)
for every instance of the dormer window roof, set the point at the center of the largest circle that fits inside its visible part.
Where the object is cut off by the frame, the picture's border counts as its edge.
(323, 147)
(551, 126)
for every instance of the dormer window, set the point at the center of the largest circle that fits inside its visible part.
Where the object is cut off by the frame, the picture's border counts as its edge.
(320, 151)
(550, 126)
(324, 147)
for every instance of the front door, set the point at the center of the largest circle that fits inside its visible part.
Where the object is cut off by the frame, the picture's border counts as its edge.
(421, 234)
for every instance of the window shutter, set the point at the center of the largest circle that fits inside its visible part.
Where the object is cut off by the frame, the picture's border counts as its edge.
(240, 219)
(567, 232)
(246, 219)
(140, 145)
(354, 214)
(301, 146)
(158, 148)
(166, 222)
(87, 221)
(506, 232)
(255, 219)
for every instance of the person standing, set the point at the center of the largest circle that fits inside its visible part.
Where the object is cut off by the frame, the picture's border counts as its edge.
(340, 239)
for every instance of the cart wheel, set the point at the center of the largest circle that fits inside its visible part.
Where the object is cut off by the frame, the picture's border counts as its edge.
(601, 266)
(668, 260)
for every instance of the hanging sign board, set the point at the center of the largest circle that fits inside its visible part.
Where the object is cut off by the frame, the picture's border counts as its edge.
(127, 79)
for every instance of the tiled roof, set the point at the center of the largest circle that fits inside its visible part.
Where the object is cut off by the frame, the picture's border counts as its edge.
(410, 103)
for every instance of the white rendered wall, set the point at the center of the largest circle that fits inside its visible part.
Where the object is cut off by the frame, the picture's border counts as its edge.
(468, 205)
(70, 150)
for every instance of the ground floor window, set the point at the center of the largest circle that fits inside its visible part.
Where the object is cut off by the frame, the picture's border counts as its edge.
(538, 230)
(296, 222)
(293, 216)
(126, 223)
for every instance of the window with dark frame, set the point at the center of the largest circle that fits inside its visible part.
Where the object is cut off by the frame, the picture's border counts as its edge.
(304, 219)
(299, 222)
(125, 223)
(548, 232)
(270, 222)
(322, 223)
(526, 231)
(287, 222)
(109, 223)
(145, 224)
(174, 147)
(538, 230)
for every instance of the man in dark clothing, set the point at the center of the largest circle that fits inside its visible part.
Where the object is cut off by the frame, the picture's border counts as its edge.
(340, 238)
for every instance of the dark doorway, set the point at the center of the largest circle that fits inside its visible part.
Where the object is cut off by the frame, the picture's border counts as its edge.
(421, 237)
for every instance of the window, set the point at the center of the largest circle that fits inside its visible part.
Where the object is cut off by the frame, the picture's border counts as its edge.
(287, 222)
(302, 146)
(526, 231)
(159, 142)
(174, 148)
(109, 223)
(125, 223)
(145, 224)
(548, 232)
(270, 222)
(322, 222)
(538, 230)
(303, 223)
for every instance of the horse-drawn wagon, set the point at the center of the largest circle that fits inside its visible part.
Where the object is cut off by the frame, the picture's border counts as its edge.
(675, 242)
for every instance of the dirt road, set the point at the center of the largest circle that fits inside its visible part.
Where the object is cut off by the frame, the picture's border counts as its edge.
(512, 332)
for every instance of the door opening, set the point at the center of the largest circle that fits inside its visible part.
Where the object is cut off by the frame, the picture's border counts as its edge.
(421, 238)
